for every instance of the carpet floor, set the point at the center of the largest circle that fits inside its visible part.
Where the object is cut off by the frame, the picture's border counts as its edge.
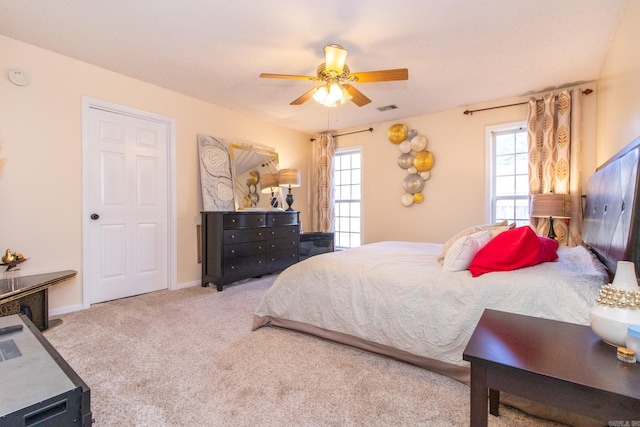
(189, 358)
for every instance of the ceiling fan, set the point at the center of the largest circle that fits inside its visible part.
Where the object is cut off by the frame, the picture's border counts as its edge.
(337, 80)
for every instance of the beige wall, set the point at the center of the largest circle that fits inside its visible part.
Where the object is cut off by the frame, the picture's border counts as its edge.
(41, 182)
(619, 88)
(455, 195)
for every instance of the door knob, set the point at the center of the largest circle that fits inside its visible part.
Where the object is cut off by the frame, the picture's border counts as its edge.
(95, 216)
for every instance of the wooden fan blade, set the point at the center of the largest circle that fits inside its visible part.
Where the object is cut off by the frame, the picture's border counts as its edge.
(381, 75)
(357, 97)
(305, 97)
(287, 76)
(335, 58)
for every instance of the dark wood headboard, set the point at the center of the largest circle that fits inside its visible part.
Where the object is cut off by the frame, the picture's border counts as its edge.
(611, 226)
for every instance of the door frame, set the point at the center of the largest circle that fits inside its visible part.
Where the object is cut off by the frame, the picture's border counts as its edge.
(172, 266)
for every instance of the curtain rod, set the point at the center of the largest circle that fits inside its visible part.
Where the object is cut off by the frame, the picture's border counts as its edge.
(349, 133)
(470, 112)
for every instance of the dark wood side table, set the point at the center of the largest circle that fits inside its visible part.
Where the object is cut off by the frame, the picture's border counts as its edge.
(19, 292)
(315, 243)
(561, 364)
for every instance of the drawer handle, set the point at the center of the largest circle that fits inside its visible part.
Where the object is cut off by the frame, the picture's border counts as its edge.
(233, 251)
(233, 236)
(233, 220)
(260, 247)
(233, 267)
(260, 262)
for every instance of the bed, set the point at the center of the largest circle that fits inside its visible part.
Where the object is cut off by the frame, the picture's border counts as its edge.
(394, 298)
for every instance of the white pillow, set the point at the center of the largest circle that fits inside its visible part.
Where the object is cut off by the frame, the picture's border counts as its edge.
(498, 226)
(463, 250)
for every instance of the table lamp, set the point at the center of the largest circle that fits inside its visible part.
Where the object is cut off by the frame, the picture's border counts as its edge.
(269, 184)
(550, 205)
(289, 178)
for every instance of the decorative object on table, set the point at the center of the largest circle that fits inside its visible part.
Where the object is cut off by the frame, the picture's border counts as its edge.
(551, 206)
(289, 178)
(251, 199)
(415, 159)
(626, 355)
(12, 259)
(633, 338)
(618, 306)
(269, 184)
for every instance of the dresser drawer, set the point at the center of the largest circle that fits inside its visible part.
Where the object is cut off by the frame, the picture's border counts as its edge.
(290, 231)
(231, 221)
(243, 235)
(254, 264)
(275, 219)
(243, 249)
(282, 244)
(281, 260)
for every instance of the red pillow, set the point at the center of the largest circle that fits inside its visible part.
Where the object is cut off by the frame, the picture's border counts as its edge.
(513, 249)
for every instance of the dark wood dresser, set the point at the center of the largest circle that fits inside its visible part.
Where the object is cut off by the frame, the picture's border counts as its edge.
(240, 245)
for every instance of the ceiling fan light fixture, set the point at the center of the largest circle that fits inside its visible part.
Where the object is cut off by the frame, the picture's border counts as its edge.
(321, 94)
(335, 94)
(331, 95)
(335, 57)
(337, 80)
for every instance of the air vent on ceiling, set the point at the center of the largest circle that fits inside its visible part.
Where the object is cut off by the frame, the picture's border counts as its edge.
(388, 107)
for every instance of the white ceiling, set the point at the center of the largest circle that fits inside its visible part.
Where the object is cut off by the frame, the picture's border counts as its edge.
(458, 52)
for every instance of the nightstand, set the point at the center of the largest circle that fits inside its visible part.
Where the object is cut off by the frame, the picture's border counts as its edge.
(557, 363)
(315, 243)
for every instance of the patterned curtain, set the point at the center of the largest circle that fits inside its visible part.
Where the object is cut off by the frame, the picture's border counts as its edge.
(322, 196)
(575, 182)
(554, 128)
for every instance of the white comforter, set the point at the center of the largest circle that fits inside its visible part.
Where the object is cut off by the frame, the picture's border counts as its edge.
(396, 294)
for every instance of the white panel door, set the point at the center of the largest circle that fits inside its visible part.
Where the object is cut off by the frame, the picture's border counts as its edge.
(128, 205)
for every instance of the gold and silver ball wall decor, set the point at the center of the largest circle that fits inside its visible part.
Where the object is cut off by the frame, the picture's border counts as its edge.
(415, 159)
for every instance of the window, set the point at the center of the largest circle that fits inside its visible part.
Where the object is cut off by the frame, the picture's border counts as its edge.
(347, 184)
(509, 174)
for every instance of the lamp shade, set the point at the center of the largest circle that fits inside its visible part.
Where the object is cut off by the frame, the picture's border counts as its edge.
(289, 178)
(335, 57)
(268, 182)
(550, 205)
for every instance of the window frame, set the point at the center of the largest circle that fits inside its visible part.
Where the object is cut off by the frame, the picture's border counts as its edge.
(344, 152)
(491, 132)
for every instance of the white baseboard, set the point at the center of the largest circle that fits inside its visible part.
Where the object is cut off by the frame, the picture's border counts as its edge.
(64, 310)
(70, 308)
(187, 284)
